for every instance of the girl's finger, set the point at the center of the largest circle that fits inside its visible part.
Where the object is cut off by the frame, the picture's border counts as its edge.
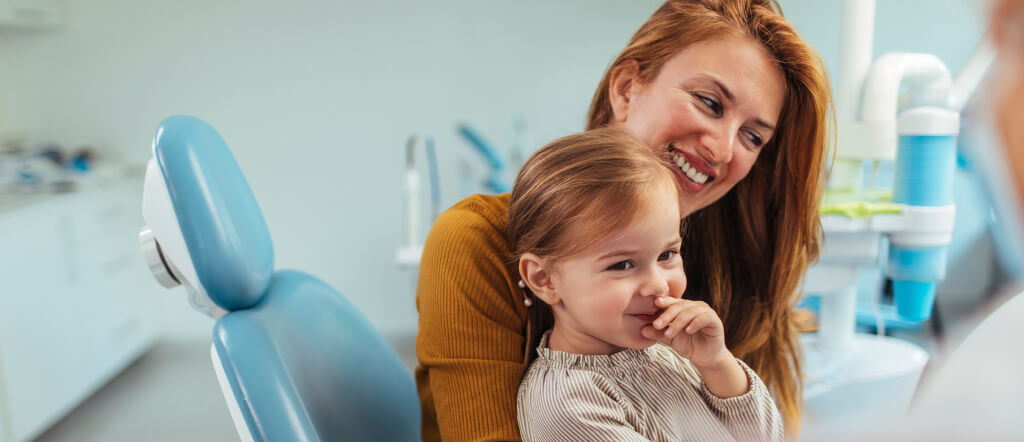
(682, 318)
(665, 301)
(668, 315)
(707, 323)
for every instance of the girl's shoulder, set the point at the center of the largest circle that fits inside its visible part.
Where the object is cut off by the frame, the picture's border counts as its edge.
(545, 380)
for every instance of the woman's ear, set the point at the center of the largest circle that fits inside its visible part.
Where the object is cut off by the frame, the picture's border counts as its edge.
(623, 81)
(536, 274)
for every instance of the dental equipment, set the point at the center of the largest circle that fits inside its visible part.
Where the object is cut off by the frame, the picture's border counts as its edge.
(903, 107)
(493, 181)
(435, 180)
(295, 360)
(408, 255)
(412, 195)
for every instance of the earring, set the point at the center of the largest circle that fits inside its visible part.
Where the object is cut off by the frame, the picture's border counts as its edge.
(526, 298)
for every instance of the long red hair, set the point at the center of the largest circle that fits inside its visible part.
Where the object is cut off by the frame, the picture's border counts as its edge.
(747, 252)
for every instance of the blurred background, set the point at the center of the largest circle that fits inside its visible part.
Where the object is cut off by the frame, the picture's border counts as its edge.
(318, 101)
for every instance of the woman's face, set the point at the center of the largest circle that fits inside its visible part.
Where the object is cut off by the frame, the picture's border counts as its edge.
(712, 108)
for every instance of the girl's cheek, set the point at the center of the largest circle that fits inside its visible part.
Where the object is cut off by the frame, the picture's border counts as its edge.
(679, 287)
(612, 304)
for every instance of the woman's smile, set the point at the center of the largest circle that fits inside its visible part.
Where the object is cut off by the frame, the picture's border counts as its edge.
(692, 172)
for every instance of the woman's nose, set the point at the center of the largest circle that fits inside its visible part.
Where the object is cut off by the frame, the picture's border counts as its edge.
(716, 145)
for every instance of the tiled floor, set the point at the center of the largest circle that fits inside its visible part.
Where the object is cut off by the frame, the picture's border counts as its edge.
(169, 394)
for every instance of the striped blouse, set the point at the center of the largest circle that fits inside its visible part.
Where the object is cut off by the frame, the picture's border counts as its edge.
(634, 395)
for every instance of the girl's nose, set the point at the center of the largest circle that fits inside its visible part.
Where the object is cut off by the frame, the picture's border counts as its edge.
(655, 283)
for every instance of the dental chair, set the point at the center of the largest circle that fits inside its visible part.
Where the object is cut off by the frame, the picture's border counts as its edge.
(295, 360)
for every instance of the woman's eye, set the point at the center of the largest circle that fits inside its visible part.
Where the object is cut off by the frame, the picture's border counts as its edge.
(623, 265)
(713, 105)
(755, 139)
(667, 255)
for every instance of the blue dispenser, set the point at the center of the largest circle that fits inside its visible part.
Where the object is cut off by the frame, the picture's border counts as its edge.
(925, 167)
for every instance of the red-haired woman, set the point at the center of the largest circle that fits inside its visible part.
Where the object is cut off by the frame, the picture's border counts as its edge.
(740, 103)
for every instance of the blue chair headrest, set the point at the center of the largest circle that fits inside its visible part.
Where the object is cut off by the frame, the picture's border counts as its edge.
(220, 221)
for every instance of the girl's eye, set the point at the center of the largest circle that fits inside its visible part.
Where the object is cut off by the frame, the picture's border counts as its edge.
(621, 266)
(667, 255)
(713, 105)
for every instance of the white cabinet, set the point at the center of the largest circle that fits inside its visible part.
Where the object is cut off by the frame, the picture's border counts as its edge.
(31, 13)
(77, 303)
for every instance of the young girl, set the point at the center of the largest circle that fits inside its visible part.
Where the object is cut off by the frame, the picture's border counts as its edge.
(595, 229)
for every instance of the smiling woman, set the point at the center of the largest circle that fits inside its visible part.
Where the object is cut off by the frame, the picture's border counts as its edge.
(740, 103)
(713, 106)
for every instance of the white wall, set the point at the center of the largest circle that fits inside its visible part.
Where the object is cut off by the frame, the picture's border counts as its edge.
(950, 29)
(316, 100)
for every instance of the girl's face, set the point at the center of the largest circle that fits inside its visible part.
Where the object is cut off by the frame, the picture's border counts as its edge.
(606, 292)
(712, 107)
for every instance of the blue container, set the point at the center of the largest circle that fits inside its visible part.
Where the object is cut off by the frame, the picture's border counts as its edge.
(914, 272)
(914, 299)
(925, 169)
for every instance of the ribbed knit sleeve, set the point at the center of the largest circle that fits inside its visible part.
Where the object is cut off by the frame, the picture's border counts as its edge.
(471, 325)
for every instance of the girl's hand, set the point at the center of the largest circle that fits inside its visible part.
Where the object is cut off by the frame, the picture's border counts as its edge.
(692, 329)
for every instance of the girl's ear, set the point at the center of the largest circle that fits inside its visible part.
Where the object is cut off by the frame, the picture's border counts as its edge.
(536, 274)
(625, 78)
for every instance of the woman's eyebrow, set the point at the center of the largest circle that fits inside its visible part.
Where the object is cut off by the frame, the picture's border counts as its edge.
(764, 124)
(728, 95)
(721, 87)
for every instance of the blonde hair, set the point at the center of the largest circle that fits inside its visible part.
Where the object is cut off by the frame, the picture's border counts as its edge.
(592, 183)
(752, 247)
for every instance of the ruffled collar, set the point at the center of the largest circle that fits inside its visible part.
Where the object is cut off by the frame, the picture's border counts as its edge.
(624, 358)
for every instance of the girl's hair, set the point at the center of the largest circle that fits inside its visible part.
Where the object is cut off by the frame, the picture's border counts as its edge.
(751, 248)
(592, 184)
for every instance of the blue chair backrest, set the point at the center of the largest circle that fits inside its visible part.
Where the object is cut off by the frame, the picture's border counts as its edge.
(302, 362)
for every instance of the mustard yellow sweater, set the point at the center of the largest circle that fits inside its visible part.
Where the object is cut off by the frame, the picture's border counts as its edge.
(472, 325)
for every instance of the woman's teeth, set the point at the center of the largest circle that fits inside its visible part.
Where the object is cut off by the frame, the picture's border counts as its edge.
(688, 169)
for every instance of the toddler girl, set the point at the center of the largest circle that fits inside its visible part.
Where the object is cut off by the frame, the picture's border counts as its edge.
(595, 230)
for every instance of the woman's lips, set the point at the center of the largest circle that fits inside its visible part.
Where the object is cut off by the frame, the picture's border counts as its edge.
(688, 185)
(699, 163)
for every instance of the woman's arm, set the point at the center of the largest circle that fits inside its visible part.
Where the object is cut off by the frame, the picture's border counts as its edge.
(470, 339)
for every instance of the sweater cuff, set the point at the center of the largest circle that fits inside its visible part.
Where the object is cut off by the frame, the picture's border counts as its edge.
(736, 403)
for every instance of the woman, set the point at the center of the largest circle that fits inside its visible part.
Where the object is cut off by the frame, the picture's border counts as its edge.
(739, 102)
